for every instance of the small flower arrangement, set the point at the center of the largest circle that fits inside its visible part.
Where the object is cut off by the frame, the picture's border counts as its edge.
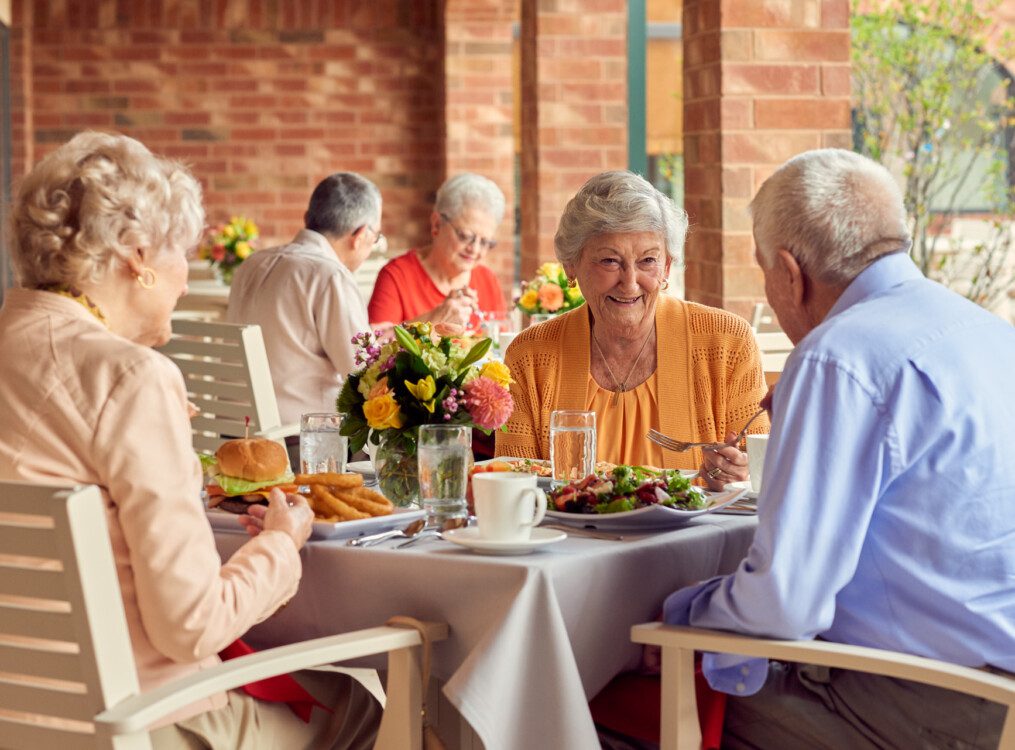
(229, 245)
(549, 292)
(427, 374)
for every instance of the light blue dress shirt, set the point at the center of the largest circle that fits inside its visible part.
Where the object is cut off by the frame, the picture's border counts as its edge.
(887, 515)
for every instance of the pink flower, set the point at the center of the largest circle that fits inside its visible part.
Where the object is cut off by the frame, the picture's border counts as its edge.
(218, 252)
(489, 403)
(551, 297)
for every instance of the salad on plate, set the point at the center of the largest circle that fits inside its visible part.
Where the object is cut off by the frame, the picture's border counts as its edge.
(627, 488)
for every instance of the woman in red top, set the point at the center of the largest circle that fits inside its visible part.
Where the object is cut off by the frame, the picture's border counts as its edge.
(447, 281)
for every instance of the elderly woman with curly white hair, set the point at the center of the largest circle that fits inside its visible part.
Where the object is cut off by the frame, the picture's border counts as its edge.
(446, 280)
(101, 232)
(636, 357)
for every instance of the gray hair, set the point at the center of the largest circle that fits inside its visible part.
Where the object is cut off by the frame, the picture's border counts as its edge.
(618, 201)
(95, 200)
(468, 190)
(835, 211)
(342, 203)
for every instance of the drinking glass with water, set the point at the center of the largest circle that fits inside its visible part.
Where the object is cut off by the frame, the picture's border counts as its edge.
(444, 454)
(322, 448)
(572, 445)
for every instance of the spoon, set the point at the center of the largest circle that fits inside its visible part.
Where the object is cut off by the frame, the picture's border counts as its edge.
(448, 525)
(382, 536)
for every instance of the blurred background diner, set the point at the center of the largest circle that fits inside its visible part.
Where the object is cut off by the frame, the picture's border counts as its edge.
(102, 229)
(447, 280)
(637, 358)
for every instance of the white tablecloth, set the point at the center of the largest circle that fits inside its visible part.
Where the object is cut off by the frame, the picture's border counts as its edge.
(532, 638)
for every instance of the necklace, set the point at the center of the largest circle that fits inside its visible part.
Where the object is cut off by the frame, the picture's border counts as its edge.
(621, 386)
(79, 297)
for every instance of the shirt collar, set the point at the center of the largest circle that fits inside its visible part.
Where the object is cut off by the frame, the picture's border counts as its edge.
(315, 242)
(883, 274)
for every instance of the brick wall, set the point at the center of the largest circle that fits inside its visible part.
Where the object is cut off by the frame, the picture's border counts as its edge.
(263, 99)
(479, 106)
(574, 109)
(763, 81)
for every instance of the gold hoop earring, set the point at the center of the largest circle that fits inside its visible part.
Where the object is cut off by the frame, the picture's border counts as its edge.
(146, 278)
(666, 284)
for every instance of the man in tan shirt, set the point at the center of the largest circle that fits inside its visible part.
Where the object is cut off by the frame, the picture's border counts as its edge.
(304, 296)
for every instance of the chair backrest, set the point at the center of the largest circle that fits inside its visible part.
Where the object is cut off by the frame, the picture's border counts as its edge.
(763, 320)
(775, 348)
(64, 646)
(228, 379)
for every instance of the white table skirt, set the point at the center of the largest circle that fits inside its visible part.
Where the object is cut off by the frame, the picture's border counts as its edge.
(532, 638)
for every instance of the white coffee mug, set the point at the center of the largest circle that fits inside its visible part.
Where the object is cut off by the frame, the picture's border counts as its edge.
(508, 505)
(756, 447)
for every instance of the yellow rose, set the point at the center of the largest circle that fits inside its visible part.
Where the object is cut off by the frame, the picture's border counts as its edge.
(250, 228)
(242, 250)
(550, 270)
(530, 299)
(498, 372)
(229, 231)
(383, 412)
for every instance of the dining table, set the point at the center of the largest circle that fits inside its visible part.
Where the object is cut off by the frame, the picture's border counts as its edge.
(532, 637)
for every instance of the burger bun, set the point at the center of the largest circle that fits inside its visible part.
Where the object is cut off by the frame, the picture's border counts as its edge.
(253, 459)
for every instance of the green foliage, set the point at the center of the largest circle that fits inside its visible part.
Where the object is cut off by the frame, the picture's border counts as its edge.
(931, 106)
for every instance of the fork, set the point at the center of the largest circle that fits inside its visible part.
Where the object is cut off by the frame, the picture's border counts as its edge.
(679, 446)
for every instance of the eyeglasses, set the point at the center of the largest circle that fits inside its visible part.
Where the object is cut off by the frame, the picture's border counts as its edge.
(468, 239)
(380, 241)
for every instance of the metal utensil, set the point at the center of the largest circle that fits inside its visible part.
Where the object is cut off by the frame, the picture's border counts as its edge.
(590, 533)
(434, 533)
(411, 530)
(679, 446)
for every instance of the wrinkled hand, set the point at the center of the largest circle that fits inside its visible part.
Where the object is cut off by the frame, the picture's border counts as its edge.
(766, 400)
(457, 308)
(725, 465)
(288, 513)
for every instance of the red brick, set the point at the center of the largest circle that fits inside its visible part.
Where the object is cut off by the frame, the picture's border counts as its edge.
(739, 78)
(766, 147)
(778, 45)
(802, 113)
(836, 80)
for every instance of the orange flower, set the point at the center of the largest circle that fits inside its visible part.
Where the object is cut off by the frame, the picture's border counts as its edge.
(551, 297)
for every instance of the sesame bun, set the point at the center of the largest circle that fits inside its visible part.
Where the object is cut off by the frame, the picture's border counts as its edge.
(254, 459)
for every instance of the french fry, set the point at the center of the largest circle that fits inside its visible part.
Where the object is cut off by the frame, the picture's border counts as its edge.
(335, 505)
(369, 501)
(331, 479)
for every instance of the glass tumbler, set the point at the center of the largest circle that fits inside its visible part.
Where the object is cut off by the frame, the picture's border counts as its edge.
(322, 448)
(572, 445)
(444, 453)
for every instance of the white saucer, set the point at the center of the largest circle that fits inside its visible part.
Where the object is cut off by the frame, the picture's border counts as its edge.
(469, 537)
(366, 468)
(748, 495)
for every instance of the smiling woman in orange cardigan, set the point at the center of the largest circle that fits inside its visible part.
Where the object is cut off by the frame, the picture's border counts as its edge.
(637, 358)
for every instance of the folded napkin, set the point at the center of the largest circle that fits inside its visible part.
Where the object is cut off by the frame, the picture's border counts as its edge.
(278, 689)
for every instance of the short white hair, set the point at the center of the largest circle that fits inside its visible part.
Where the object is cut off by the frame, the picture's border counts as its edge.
(833, 210)
(95, 200)
(468, 190)
(618, 202)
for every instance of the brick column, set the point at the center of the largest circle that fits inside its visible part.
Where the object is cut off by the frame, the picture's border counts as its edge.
(763, 80)
(479, 106)
(574, 109)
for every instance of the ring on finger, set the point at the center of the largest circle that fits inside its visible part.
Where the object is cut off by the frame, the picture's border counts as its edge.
(714, 474)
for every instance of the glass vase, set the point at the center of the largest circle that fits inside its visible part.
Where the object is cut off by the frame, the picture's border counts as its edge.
(398, 470)
(223, 275)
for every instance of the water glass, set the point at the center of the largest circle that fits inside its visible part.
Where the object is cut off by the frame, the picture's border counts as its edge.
(572, 445)
(444, 454)
(536, 318)
(322, 448)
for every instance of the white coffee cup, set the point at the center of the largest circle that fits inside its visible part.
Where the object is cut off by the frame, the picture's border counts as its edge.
(756, 447)
(508, 505)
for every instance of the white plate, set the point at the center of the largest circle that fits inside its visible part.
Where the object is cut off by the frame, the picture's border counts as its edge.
(366, 468)
(749, 494)
(224, 521)
(649, 517)
(469, 537)
(747, 505)
(546, 483)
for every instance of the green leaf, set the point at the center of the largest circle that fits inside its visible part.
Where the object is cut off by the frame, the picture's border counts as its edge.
(477, 352)
(406, 341)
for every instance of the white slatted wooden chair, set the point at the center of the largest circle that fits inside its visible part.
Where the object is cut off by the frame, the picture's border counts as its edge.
(67, 673)
(228, 379)
(680, 729)
(775, 349)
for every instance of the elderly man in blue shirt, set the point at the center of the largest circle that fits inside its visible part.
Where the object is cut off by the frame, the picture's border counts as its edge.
(887, 515)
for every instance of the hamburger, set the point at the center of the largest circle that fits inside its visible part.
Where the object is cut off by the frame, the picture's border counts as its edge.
(244, 471)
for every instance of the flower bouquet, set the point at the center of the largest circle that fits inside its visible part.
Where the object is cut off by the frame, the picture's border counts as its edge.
(229, 245)
(549, 292)
(426, 375)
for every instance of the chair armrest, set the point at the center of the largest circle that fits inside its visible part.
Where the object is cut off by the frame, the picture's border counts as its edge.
(280, 432)
(993, 687)
(140, 711)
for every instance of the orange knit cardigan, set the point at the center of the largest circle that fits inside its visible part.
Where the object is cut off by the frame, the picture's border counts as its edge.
(710, 377)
